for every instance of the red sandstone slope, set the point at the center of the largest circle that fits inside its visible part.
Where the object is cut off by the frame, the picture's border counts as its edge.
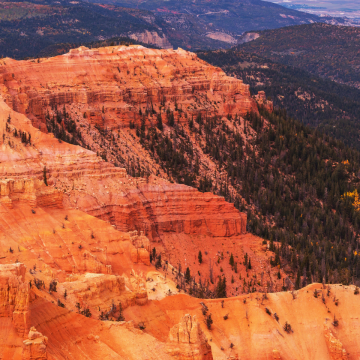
(256, 334)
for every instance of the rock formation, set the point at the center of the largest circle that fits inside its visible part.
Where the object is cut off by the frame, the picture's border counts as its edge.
(35, 346)
(31, 191)
(153, 38)
(96, 291)
(14, 292)
(262, 100)
(187, 341)
(336, 349)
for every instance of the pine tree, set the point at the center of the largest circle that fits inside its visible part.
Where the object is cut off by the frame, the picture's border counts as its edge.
(187, 275)
(220, 291)
(231, 261)
(121, 314)
(297, 282)
(209, 321)
(44, 175)
(159, 123)
(171, 119)
(158, 262)
(200, 257)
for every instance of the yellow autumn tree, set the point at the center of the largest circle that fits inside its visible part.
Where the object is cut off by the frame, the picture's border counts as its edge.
(354, 197)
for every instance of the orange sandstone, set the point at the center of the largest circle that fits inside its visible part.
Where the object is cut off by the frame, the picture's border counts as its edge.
(112, 84)
(92, 229)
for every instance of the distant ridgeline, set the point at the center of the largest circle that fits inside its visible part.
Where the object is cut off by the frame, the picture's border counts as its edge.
(27, 28)
(325, 50)
(319, 102)
(30, 29)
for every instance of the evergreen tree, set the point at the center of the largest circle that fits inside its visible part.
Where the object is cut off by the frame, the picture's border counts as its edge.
(121, 314)
(209, 321)
(159, 123)
(158, 262)
(44, 176)
(200, 257)
(297, 282)
(245, 259)
(187, 275)
(220, 291)
(231, 261)
(171, 119)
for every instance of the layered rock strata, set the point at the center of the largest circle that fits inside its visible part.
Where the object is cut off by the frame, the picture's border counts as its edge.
(171, 216)
(112, 86)
(31, 191)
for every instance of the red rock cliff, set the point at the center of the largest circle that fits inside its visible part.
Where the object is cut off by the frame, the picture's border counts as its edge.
(113, 85)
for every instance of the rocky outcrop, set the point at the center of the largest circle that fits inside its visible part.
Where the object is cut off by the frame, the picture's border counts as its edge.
(14, 296)
(96, 291)
(30, 191)
(263, 101)
(221, 36)
(187, 341)
(35, 346)
(141, 251)
(91, 286)
(249, 36)
(336, 349)
(153, 38)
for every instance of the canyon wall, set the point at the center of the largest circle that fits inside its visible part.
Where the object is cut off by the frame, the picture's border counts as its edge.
(76, 232)
(112, 86)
